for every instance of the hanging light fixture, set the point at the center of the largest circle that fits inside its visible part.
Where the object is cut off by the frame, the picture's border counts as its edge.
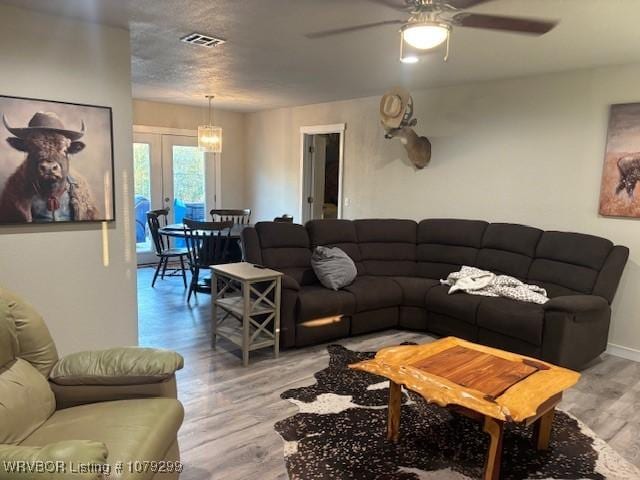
(209, 136)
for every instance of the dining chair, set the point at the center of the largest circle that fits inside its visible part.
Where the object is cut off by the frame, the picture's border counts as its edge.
(284, 219)
(238, 217)
(157, 219)
(207, 244)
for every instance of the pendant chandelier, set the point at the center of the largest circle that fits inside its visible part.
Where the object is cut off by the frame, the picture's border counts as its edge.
(210, 136)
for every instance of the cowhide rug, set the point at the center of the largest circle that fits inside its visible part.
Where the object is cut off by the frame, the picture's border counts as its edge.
(339, 433)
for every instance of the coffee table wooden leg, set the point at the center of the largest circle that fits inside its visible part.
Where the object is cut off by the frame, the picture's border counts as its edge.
(495, 429)
(542, 430)
(395, 403)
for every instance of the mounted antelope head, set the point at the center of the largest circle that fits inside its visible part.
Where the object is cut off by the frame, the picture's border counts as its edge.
(396, 112)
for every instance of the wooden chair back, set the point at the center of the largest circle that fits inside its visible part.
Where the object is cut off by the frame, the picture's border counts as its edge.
(157, 219)
(207, 242)
(284, 219)
(238, 217)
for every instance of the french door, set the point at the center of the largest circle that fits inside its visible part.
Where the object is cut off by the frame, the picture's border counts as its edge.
(169, 172)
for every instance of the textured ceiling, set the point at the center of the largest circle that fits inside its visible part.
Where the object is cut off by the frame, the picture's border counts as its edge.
(268, 62)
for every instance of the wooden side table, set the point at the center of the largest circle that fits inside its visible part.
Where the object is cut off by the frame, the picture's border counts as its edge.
(257, 309)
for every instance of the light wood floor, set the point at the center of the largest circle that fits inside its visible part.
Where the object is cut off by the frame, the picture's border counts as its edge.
(230, 410)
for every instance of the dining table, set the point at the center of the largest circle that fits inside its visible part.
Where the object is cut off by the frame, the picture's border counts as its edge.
(235, 254)
(177, 230)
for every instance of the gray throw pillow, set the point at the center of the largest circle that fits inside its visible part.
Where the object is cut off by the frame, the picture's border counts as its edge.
(333, 267)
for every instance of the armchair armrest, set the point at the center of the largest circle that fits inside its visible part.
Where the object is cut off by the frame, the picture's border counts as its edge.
(61, 457)
(117, 366)
(114, 374)
(576, 303)
(290, 283)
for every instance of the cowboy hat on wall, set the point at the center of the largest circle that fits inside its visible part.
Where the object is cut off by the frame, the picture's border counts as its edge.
(57, 162)
(396, 117)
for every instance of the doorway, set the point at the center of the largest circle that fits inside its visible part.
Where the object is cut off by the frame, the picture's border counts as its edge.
(169, 173)
(321, 173)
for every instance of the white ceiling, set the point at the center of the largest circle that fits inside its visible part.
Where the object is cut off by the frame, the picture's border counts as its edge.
(269, 63)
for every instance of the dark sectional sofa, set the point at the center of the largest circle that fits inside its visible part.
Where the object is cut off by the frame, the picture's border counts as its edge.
(400, 263)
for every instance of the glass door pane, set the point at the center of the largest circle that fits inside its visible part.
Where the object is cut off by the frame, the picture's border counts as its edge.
(147, 192)
(184, 178)
(189, 188)
(142, 193)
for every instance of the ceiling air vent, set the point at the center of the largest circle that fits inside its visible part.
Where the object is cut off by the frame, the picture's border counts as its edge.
(202, 40)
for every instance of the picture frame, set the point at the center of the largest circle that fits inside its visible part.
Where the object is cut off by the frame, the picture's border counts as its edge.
(620, 185)
(57, 162)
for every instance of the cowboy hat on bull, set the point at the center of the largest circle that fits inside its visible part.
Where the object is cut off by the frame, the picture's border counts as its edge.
(396, 107)
(44, 122)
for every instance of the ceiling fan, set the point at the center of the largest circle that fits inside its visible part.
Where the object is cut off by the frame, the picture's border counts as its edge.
(431, 21)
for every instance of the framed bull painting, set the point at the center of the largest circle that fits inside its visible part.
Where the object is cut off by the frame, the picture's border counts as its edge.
(620, 190)
(56, 162)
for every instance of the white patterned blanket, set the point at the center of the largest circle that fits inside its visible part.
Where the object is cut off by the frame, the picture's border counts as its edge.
(482, 282)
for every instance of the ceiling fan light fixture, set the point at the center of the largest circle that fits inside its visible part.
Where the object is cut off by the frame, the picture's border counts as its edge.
(425, 35)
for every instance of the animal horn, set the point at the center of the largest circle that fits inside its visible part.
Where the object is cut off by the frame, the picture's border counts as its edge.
(6, 123)
(82, 129)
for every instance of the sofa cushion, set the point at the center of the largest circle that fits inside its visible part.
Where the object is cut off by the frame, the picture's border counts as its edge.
(372, 293)
(569, 260)
(286, 248)
(315, 301)
(414, 289)
(35, 344)
(521, 320)
(336, 233)
(508, 249)
(387, 246)
(8, 336)
(575, 248)
(132, 430)
(445, 245)
(553, 290)
(26, 401)
(117, 366)
(459, 305)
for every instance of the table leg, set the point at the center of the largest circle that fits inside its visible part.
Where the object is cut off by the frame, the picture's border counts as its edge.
(276, 320)
(214, 309)
(246, 292)
(495, 429)
(395, 404)
(542, 430)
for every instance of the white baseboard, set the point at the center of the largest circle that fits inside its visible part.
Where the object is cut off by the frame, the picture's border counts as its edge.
(624, 352)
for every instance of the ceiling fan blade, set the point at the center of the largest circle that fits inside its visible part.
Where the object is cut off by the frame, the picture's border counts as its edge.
(530, 26)
(395, 4)
(355, 28)
(464, 4)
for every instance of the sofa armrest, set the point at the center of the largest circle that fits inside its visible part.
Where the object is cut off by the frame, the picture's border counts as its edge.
(62, 460)
(290, 283)
(576, 304)
(117, 366)
(576, 329)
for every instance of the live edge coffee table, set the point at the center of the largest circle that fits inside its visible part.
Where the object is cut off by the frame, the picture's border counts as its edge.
(487, 384)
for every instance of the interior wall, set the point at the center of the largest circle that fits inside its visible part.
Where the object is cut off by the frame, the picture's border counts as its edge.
(80, 277)
(524, 150)
(156, 114)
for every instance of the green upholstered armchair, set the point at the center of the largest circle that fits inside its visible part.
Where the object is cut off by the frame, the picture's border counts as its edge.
(86, 415)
